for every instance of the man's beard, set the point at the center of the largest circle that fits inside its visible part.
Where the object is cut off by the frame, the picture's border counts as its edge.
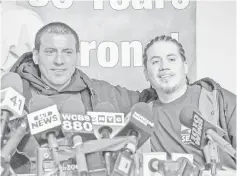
(169, 89)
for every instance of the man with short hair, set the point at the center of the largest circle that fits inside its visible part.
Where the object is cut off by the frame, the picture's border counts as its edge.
(51, 71)
(166, 69)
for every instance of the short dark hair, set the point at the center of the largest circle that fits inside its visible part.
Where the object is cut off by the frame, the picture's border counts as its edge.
(55, 28)
(162, 38)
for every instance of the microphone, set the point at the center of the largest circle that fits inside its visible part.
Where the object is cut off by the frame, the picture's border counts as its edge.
(140, 125)
(201, 128)
(139, 119)
(78, 127)
(156, 165)
(106, 122)
(12, 102)
(10, 147)
(181, 167)
(45, 123)
(124, 163)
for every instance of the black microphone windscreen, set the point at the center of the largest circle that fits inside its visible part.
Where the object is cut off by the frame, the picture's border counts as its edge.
(143, 109)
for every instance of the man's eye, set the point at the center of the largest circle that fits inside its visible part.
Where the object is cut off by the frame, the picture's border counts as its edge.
(155, 62)
(49, 52)
(172, 59)
(68, 52)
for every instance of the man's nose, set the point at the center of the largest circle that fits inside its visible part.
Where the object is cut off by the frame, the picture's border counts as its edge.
(164, 64)
(59, 60)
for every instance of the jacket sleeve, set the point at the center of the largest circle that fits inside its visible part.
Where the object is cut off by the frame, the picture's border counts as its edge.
(148, 95)
(231, 126)
(127, 98)
(230, 114)
(121, 98)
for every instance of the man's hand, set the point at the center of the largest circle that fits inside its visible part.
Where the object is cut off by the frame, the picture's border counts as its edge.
(148, 95)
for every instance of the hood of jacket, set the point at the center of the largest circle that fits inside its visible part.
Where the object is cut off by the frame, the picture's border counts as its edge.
(29, 72)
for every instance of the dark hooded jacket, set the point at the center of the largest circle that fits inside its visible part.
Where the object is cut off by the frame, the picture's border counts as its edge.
(98, 90)
(92, 92)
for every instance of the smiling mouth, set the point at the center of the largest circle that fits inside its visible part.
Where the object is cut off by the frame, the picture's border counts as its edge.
(58, 70)
(165, 76)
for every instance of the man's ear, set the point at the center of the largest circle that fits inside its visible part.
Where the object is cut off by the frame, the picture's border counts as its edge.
(146, 74)
(186, 67)
(35, 56)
